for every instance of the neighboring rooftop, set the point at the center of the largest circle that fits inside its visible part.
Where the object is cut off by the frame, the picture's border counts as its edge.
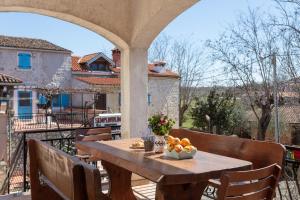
(29, 43)
(9, 80)
(78, 66)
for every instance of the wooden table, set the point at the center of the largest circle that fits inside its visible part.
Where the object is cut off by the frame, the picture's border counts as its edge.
(176, 179)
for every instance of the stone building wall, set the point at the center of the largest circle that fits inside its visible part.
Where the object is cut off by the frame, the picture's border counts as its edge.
(165, 97)
(46, 67)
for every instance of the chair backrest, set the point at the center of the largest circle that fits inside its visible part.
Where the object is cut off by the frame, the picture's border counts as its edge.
(258, 184)
(93, 131)
(58, 170)
(98, 137)
(57, 175)
(260, 153)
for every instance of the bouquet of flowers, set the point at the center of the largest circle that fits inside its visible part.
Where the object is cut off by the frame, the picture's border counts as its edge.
(160, 124)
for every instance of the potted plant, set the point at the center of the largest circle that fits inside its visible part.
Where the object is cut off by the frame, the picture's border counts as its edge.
(160, 125)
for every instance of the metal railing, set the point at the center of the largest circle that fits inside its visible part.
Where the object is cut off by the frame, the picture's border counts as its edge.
(42, 121)
(5, 188)
(17, 177)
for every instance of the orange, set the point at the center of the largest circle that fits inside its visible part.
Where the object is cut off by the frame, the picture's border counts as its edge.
(176, 141)
(185, 142)
(170, 147)
(170, 139)
(178, 148)
(188, 148)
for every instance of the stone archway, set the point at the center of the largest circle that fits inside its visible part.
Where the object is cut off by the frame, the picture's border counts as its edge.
(131, 25)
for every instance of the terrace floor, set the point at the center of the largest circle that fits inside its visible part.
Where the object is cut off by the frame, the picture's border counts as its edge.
(143, 192)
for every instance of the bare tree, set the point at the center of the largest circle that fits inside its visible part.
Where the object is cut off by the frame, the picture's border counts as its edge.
(246, 49)
(184, 57)
(289, 25)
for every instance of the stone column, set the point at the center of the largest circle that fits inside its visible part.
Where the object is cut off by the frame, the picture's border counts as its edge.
(134, 90)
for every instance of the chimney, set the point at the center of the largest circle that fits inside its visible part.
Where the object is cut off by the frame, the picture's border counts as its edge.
(116, 56)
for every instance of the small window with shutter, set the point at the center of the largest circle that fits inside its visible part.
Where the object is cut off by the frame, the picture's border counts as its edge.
(24, 61)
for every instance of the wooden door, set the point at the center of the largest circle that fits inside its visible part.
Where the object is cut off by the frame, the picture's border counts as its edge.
(100, 101)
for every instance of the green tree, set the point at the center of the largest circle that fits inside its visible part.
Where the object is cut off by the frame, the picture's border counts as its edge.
(218, 110)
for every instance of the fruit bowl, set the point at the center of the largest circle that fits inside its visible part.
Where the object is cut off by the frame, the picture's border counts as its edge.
(181, 155)
(179, 149)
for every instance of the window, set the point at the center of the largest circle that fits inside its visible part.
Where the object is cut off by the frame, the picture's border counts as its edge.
(97, 67)
(24, 98)
(42, 99)
(149, 99)
(24, 60)
(61, 100)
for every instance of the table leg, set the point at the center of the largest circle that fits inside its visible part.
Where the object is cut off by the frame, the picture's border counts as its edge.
(192, 191)
(120, 182)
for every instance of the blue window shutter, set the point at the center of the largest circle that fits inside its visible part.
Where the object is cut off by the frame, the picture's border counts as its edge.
(42, 99)
(24, 60)
(65, 100)
(55, 100)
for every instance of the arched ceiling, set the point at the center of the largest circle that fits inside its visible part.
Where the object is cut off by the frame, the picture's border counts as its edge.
(126, 23)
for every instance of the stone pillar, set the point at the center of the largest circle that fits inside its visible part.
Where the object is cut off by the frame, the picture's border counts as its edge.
(134, 90)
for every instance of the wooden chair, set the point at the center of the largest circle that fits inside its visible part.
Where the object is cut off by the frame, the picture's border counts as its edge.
(99, 137)
(258, 184)
(56, 175)
(260, 153)
(92, 131)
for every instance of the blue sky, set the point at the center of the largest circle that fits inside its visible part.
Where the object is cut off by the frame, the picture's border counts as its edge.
(203, 21)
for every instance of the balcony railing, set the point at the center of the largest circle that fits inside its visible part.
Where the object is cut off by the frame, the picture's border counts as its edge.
(17, 177)
(26, 122)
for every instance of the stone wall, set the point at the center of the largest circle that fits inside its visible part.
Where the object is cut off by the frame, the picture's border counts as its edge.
(165, 97)
(164, 94)
(47, 67)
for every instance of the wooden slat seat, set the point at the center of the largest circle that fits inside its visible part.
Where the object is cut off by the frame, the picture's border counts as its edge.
(258, 184)
(57, 175)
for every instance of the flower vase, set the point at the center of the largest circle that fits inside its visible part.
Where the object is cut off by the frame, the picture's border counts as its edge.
(159, 144)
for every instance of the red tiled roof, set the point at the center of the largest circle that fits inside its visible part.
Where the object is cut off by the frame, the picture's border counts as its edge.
(99, 80)
(86, 58)
(167, 73)
(6, 79)
(76, 61)
(75, 65)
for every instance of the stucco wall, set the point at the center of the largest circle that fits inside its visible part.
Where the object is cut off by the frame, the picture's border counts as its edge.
(165, 97)
(46, 67)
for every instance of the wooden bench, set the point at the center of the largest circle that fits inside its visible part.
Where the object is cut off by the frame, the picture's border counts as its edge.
(260, 153)
(56, 175)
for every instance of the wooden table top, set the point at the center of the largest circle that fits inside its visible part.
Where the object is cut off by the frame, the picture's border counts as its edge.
(157, 167)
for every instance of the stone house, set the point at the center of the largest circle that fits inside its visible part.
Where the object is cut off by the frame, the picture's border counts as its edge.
(41, 64)
(37, 63)
(100, 73)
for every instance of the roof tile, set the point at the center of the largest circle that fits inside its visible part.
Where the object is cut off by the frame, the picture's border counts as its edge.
(29, 43)
(6, 79)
